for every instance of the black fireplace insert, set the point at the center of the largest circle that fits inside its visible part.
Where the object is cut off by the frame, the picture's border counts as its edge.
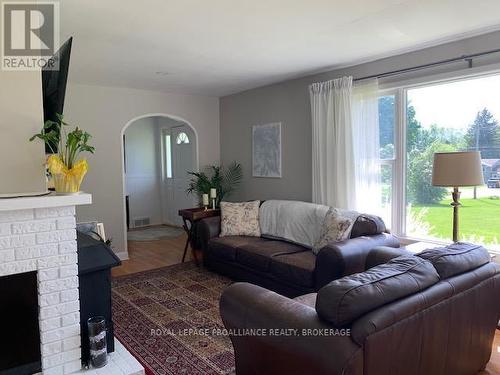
(20, 343)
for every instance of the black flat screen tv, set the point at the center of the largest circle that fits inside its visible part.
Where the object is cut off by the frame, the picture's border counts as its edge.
(54, 87)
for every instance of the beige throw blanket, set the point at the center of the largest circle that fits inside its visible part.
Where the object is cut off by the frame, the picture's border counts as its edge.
(295, 221)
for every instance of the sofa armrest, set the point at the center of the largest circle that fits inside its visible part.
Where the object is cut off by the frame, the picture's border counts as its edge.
(246, 307)
(383, 254)
(339, 259)
(207, 229)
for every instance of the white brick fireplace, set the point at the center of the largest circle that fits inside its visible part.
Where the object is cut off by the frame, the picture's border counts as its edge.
(38, 234)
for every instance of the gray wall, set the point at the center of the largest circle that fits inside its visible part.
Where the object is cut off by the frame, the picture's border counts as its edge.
(105, 112)
(288, 102)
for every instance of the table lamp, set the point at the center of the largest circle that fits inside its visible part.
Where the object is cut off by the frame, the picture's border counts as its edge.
(457, 169)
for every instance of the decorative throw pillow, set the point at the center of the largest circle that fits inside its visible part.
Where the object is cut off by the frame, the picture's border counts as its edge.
(335, 228)
(240, 219)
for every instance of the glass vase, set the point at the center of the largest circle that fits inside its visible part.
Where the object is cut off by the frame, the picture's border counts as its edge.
(97, 338)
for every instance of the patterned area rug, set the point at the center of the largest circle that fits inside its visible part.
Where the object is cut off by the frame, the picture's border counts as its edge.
(154, 233)
(162, 317)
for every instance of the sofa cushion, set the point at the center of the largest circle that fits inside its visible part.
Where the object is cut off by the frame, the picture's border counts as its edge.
(456, 258)
(336, 227)
(258, 255)
(240, 219)
(307, 299)
(343, 301)
(297, 268)
(225, 247)
(367, 225)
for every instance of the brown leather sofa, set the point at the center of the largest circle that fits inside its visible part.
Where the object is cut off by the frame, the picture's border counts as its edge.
(288, 268)
(432, 315)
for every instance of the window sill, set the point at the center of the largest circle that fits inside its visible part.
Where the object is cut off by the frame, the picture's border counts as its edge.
(405, 240)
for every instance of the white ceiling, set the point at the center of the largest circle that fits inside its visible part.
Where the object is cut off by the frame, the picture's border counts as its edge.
(220, 47)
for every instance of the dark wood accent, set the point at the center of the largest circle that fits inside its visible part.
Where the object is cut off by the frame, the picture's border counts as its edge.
(195, 214)
(189, 218)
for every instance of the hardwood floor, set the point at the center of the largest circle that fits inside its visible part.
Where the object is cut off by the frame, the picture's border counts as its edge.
(493, 367)
(147, 255)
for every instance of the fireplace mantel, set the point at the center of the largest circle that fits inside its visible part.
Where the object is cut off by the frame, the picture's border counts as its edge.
(45, 201)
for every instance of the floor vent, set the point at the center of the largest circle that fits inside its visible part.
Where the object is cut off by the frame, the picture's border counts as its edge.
(142, 222)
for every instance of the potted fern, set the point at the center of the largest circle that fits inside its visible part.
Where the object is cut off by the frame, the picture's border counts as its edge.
(64, 165)
(224, 179)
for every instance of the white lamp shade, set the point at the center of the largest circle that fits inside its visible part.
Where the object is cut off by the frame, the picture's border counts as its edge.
(457, 169)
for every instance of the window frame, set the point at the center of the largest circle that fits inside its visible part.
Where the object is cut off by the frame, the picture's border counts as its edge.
(391, 162)
(165, 133)
(399, 162)
(398, 189)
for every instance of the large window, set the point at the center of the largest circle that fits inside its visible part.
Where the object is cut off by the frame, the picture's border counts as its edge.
(387, 117)
(452, 116)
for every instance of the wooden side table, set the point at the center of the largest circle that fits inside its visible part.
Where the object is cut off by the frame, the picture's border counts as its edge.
(190, 216)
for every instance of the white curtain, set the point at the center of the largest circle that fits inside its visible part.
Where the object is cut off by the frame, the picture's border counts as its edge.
(333, 176)
(365, 128)
(345, 144)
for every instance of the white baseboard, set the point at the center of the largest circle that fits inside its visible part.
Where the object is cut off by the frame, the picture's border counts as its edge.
(122, 255)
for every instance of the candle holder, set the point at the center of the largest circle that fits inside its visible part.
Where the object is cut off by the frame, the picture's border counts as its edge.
(205, 201)
(213, 195)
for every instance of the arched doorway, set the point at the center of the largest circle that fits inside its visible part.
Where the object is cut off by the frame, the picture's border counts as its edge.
(178, 159)
(157, 152)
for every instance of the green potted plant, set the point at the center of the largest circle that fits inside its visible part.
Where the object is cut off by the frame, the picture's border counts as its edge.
(224, 179)
(65, 167)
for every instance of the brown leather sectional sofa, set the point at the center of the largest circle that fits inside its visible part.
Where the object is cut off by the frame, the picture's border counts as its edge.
(434, 314)
(288, 268)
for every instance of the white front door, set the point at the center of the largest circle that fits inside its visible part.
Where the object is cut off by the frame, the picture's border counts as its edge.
(183, 161)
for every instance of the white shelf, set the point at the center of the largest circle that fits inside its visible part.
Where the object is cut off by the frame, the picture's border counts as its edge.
(51, 200)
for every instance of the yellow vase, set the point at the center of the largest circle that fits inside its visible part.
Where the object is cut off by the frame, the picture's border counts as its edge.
(67, 180)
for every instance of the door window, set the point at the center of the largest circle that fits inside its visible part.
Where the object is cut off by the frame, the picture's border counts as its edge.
(168, 157)
(182, 139)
